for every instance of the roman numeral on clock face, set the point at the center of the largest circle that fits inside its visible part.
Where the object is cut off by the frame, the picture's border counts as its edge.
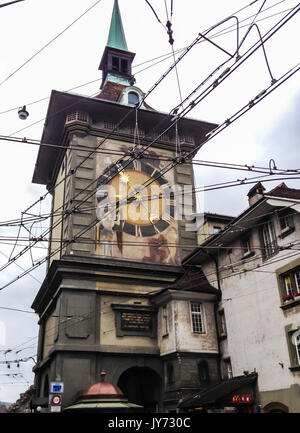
(137, 164)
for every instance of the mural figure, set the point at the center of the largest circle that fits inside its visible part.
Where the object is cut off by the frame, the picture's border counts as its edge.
(106, 236)
(158, 249)
(107, 229)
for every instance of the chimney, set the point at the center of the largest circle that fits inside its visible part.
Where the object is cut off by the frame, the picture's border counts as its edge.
(256, 193)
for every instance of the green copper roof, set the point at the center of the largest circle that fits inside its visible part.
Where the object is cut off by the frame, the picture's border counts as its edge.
(116, 37)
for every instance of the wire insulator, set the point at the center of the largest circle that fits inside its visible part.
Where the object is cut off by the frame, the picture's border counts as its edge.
(260, 94)
(170, 32)
(224, 72)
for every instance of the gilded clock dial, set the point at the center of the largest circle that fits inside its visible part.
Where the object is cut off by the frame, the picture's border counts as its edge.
(145, 215)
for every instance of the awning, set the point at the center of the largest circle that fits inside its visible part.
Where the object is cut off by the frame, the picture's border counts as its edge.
(104, 405)
(216, 392)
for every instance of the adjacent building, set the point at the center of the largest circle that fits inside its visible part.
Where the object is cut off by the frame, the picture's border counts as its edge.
(255, 264)
(211, 223)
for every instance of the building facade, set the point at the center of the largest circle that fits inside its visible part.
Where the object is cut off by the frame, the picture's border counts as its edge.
(255, 262)
(105, 300)
(212, 223)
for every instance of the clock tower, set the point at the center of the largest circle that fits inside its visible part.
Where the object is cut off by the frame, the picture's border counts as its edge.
(118, 234)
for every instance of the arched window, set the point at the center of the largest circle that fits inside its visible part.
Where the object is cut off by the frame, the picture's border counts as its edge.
(203, 371)
(133, 98)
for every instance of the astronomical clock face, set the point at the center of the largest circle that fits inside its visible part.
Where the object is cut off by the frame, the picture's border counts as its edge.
(146, 219)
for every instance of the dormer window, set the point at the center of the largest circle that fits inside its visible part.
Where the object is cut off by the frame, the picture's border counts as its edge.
(286, 223)
(133, 98)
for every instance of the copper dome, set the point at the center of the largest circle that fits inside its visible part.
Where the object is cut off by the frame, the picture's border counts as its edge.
(102, 389)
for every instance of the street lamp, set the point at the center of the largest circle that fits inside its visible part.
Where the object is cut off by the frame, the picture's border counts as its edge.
(23, 113)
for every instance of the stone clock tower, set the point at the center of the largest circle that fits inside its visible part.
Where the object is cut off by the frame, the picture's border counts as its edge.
(108, 255)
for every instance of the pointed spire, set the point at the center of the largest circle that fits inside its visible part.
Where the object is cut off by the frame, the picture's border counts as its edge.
(116, 37)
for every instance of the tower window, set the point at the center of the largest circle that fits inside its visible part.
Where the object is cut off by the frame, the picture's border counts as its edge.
(115, 63)
(124, 66)
(133, 98)
(119, 65)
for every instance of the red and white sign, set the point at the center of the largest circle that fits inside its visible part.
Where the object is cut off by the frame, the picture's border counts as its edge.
(56, 400)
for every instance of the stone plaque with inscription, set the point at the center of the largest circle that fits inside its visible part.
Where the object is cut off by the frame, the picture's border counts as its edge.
(136, 320)
(133, 320)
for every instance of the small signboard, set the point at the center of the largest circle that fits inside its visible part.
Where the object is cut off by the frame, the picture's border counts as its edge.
(55, 408)
(55, 402)
(56, 387)
(138, 321)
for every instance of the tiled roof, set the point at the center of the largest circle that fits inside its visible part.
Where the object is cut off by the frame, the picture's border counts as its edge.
(258, 186)
(193, 279)
(111, 91)
(284, 191)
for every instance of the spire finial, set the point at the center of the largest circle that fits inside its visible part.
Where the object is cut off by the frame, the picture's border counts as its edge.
(116, 36)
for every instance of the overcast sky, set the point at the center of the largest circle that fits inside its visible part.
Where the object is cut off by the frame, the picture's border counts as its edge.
(268, 131)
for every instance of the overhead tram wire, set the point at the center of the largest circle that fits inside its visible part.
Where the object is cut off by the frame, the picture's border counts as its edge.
(242, 58)
(207, 274)
(192, 105)
(245, 167)
(90, 314)
(234, 117)
(165, 56)
(168, 72)
(291, 246)
(21, 267)
(232, 227)
(50, 42)
(17, 310)
(249, 29)
(153, 10)
(48, 97)
(231, 166)
(147, 184)
(170, 55)
(165, 130)
(196, 190)
(144, 97)
(90, 225)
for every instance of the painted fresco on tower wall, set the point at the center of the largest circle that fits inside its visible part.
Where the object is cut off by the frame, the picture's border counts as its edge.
(135, 203)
